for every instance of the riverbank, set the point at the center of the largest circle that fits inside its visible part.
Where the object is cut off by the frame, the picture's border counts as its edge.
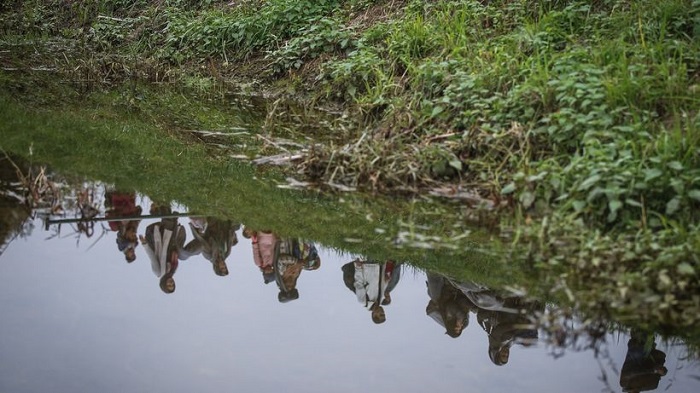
(577, 123)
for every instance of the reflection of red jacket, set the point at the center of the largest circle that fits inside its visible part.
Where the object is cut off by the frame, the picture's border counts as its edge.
(123, 205)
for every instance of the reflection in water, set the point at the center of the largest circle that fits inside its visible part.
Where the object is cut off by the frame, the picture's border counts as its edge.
(263, 243)
(372, 283)
(282, 260)
(290, 258)
(213, 238)
(506, 319)
(123, 205)
(164, 242)
(644, 364)
(17, 201)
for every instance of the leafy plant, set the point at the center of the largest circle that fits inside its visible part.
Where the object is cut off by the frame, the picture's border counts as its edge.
(324, 36)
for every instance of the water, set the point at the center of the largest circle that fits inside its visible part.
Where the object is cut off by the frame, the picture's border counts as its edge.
(77, 317)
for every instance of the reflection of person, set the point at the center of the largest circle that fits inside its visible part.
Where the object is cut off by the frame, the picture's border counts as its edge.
(372, 283)
(120, 204)
(506, 319)
(507, 326)
(163, 242)
(213, 238)
(290, 258)
(263, 243)
(448, 305)
(643, 366)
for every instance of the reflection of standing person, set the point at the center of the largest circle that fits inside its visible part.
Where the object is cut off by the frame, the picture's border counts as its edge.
(163, 242)
(120, 204)
(263, 243)
(372, 283)
(213, 238)
(643, 366)
(448, 305)
(291, 257)
(507, 326)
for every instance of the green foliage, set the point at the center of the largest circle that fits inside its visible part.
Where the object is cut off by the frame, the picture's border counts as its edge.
(324, 36)
(363, 71)
(241, 30)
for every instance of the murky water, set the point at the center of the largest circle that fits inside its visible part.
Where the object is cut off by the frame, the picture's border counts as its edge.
(172, 302)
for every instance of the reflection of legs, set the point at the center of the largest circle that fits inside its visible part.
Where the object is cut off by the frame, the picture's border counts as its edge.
(220, 267)
(387, 298)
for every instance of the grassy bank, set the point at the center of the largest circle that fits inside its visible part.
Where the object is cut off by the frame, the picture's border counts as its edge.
(104, 137)
(578, 120)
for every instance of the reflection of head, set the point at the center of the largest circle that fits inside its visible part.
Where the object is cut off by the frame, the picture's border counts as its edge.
(378, 315)
(167, 283)
(288, 296)
(499, 355)
(247, 232)
(130, 255)
(455, 320)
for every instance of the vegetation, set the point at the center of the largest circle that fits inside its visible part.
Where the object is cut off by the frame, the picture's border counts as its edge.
(578, 121)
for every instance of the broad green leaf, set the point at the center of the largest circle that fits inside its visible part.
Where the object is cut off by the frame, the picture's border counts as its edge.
(436, 111)
(686, 269)
(632, 202)
(675, 165)
(508, 189)
(694, 194)
(673, 205)
(527, 198)
(588, 183)
(579, 205)
(456, 164)
(652, 173)
(614, 205)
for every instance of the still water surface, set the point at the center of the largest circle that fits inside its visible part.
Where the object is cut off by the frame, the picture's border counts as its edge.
(77, 317)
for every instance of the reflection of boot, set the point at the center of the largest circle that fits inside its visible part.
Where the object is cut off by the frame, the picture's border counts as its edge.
(387, 299)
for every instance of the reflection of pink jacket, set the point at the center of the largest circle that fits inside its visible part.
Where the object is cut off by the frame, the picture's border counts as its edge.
(264, 249)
